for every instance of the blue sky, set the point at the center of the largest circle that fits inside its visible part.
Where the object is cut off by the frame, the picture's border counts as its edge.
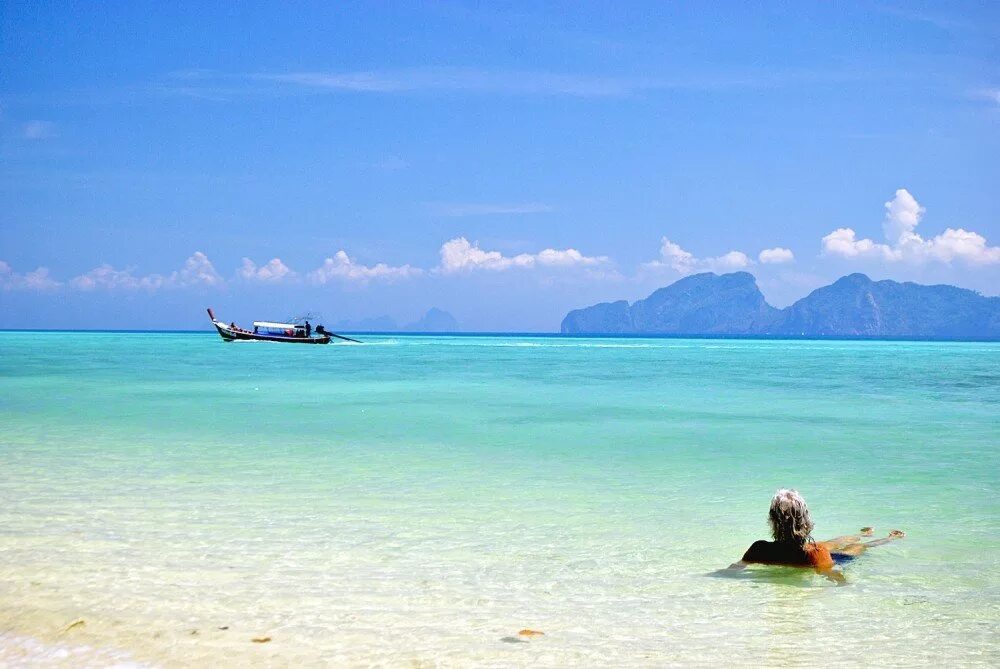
(505, 163)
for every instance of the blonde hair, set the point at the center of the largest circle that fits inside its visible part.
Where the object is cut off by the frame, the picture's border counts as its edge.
(789, 518)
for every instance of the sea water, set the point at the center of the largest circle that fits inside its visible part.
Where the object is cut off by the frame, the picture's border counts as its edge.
(417, 501)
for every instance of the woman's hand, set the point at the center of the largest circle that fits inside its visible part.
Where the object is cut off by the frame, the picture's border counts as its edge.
(834, 575)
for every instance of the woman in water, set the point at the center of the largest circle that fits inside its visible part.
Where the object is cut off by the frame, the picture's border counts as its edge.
(793, 545)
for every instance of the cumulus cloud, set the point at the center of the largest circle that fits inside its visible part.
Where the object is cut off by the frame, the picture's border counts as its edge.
(730, 261)
(341, 267)
(902, 215)
(108, 278)
(672, 256)
(197, 271)
(461, 255)
(38, 280)
(274, 271)
(904, 243)
(775, 256)
(845, 243)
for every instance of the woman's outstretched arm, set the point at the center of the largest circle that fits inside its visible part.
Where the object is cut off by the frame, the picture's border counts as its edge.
(858, 548)
(839, 542)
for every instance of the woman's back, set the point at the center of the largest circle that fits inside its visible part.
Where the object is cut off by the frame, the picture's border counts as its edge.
(786, 553)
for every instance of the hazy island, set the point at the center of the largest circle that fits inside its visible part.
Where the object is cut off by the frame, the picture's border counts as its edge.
(434, 320)
(854, 305)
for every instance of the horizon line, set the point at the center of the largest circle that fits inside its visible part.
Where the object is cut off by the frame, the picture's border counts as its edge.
(548, 335)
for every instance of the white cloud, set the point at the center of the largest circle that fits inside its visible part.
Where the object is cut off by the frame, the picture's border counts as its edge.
(37, 280)
(902, 215)
(775, 256)
(107, 277)
(274, 271)
(844, 242)
(341, 267)
(729, 261)
(197, 271)
(458, 209)
(461, 255)
(904, 243)
(672, 256)
(567, 258)
(964, 245)
(38, 130)
(675, 257)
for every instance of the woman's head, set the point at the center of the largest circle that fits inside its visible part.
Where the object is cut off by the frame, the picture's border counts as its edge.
(789, 517)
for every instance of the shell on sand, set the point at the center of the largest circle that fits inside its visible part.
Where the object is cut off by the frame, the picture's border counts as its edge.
(76, 623)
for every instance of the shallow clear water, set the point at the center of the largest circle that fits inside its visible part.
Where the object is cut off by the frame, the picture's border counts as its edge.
(415, 501)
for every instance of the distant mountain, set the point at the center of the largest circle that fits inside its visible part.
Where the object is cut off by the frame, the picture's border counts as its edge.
(856, 305)
(852, 306)
(435, 320)
(698, 304)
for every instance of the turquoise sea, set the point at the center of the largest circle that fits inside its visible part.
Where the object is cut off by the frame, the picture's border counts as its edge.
(417, 501)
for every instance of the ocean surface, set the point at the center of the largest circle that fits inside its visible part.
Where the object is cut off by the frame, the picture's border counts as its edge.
(417, 501)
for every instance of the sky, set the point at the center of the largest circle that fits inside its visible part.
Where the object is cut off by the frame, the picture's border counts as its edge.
(505, 162)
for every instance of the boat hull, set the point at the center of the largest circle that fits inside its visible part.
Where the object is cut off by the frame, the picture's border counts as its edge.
(229, 334)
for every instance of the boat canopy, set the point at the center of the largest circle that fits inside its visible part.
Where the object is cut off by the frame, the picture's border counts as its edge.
(276, 326)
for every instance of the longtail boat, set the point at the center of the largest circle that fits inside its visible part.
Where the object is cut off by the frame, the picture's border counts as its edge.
(285, 333)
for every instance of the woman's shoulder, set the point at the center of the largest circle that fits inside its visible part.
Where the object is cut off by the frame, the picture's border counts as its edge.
(759, 551)
(773, 552)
